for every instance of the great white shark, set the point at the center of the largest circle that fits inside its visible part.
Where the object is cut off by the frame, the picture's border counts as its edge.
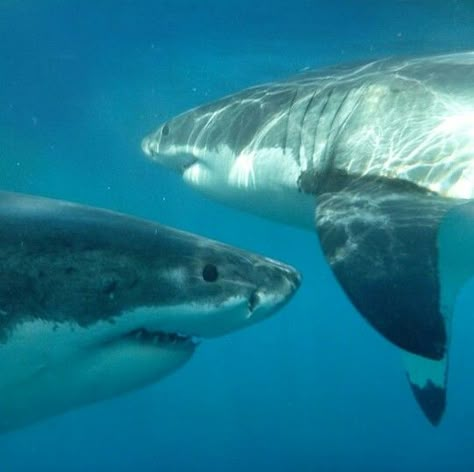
(379, 157)
(94, 304)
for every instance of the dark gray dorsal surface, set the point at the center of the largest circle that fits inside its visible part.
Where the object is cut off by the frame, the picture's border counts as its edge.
(64, 262)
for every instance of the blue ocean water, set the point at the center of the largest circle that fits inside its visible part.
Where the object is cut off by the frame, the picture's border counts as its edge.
(312, 389)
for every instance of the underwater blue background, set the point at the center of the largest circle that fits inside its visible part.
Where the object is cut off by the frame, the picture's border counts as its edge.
(312, 389)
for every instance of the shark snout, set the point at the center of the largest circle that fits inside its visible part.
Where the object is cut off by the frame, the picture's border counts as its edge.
(176, 158)
(283, 273)
(149, 146)
(278, 283)
(292, 276)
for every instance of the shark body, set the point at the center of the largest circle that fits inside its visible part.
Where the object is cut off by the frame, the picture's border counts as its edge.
(379, 159)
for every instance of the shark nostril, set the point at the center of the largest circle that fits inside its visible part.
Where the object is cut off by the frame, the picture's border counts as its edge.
(165, 131)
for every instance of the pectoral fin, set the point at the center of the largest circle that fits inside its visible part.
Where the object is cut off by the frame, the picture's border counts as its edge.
(380, 239)
(401, 253)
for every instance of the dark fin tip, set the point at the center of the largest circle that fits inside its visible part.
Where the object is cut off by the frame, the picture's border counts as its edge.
(432, 400)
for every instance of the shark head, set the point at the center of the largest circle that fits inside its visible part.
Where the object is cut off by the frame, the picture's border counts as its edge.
(239, 150)
(94, 303)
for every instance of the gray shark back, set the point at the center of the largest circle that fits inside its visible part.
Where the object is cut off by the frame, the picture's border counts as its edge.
(67, 262)
(408, 119)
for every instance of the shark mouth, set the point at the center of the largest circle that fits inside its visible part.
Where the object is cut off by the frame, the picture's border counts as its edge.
(161, 338)
(179, 162)
(183, 162)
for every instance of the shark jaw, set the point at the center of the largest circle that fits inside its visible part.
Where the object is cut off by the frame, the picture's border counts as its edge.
(49, 368)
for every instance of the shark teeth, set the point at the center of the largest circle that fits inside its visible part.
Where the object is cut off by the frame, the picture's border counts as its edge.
(161, 337)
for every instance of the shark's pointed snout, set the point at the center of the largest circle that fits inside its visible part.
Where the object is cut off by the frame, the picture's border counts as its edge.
(285, 273)
(147, 146)
(278, 284)
(293, 277)
(178, 159)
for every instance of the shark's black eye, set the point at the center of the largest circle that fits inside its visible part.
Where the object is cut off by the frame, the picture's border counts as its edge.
(165, 131)
(209, 273)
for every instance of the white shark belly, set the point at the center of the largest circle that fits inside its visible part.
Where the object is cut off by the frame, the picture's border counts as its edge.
(261, 181)
(48, 369)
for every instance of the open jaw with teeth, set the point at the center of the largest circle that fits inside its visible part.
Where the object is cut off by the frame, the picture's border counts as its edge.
(162, 338)
(169, 338)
